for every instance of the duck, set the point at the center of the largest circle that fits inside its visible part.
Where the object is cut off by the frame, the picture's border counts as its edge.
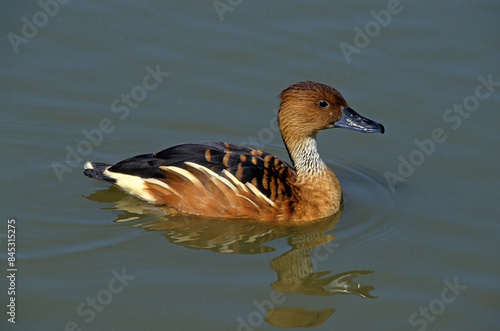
(223, 180)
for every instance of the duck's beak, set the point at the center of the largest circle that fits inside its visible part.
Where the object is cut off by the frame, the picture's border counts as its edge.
(352, 120)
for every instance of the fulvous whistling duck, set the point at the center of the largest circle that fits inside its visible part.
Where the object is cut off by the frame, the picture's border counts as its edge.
(216, 179)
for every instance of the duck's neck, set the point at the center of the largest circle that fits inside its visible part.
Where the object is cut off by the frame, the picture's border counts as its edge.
(316, 185)
(305, 157)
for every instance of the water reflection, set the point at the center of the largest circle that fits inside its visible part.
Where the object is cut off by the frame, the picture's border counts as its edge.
(296, 269)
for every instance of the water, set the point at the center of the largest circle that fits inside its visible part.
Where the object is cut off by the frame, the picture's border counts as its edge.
(415, 246)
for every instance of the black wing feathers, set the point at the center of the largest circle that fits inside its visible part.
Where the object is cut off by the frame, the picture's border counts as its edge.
(262, 169)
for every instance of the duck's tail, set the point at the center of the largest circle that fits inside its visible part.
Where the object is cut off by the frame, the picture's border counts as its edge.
(96, 170)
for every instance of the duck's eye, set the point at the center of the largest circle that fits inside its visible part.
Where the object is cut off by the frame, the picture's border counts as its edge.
(323, 104)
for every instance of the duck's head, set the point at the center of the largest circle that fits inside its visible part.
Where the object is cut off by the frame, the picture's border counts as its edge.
(308, 107)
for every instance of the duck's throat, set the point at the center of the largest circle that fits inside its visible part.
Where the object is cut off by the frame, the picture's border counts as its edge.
(305, 157)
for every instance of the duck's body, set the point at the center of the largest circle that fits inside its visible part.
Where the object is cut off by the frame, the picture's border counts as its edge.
(225, 180)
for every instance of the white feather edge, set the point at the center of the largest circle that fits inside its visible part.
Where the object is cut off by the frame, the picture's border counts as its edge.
(233, 179)
(259, 194)
(213, 176)
(161, 183)
(184, 173)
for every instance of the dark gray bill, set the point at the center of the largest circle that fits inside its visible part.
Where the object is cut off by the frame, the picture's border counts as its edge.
(352, 120)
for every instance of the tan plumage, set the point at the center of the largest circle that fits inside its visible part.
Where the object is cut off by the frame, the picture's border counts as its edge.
(225, 180)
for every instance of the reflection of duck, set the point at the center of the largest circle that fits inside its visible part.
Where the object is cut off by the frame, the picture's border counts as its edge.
(225, 180)
(310, 246)
(220, 235)
(296, 269)
(297, 273)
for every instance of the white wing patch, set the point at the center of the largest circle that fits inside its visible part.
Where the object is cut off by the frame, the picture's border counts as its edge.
(131, 184)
